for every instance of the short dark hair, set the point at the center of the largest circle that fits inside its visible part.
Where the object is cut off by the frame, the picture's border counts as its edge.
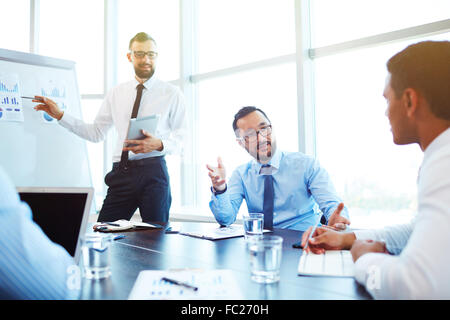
(243, 112)
(141, 37)
(425, 67)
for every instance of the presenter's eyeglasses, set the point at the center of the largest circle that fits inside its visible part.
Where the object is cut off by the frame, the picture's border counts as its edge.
(253, 136)
(142, 54)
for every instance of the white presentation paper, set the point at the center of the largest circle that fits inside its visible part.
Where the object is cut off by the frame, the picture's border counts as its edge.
(10, 98)
(212, 284)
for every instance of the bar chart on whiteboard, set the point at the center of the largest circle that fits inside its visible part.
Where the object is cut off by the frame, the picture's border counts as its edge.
(56, 91)
(10, 99)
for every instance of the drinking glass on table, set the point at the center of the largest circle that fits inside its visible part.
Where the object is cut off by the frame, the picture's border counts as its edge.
(95, 252)
(265, 258)
(253, 225)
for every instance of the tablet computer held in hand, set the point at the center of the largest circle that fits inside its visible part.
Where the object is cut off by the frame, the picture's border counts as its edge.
(136, 126)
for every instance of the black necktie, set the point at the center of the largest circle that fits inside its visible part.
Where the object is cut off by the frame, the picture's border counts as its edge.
(268, 200)
(140, 87)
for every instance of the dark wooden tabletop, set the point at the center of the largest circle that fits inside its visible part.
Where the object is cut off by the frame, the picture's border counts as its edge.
(156, 250)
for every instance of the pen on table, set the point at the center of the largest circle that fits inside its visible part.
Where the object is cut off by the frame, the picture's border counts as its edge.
(179, 283)
(112, 224)
(313, 230)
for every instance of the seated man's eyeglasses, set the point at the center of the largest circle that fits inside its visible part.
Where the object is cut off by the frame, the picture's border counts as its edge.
(253, 135)
(141, 54)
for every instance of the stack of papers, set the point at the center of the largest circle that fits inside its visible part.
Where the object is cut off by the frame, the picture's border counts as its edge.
(210, 284)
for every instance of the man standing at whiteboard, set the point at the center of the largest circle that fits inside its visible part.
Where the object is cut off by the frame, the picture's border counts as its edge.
(139, 177)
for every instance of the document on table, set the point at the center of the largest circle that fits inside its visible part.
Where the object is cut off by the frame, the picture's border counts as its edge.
(211, 284)
(216, 232)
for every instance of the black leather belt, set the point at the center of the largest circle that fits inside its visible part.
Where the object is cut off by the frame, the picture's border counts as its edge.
(140, 162)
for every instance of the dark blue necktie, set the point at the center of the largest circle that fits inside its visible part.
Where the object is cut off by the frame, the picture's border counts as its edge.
(268, 200)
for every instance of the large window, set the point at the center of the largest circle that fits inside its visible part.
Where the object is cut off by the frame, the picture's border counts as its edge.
(15, 25)
(338, 21)
(237, 32)
(64, 35)
(237, 42)
(375, 177)
(316, 67)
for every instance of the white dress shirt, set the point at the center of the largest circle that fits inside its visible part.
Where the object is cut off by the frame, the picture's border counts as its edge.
(158, 97)
(419, 266)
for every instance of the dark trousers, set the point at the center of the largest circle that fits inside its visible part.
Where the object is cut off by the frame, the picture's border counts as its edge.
(142, 184)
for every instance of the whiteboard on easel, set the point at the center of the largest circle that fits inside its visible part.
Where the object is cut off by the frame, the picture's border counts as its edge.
(35, 150)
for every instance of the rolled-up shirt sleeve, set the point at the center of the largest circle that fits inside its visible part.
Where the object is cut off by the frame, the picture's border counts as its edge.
(395, 237)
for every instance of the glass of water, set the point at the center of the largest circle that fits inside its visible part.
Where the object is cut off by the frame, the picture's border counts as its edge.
(265, 258)
(95, 253)
(253, 225)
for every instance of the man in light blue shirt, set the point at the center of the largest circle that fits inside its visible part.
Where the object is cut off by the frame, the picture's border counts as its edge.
(31, 265)
(297, 189)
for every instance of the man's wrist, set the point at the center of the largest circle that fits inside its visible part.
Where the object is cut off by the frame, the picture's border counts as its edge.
(348, 239)
(216, 192)
(60, 116)
(161, 148)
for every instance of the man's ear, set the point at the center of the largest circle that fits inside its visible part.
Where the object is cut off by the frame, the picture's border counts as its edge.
(241, 143)
(411, 100)
(129, 56)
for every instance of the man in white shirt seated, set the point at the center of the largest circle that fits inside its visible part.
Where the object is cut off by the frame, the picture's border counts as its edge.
(410, 261)
(139, 179)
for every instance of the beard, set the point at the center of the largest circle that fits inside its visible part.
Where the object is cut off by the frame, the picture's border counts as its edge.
(144, 74)
(268, 150)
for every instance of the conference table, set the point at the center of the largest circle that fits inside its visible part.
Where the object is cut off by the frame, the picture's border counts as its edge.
(156, 250)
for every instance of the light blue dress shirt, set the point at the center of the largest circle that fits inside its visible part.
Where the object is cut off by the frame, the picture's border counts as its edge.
(302, 188)
(31, 266)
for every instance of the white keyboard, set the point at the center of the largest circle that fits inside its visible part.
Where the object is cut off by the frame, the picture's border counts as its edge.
(333, 263)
